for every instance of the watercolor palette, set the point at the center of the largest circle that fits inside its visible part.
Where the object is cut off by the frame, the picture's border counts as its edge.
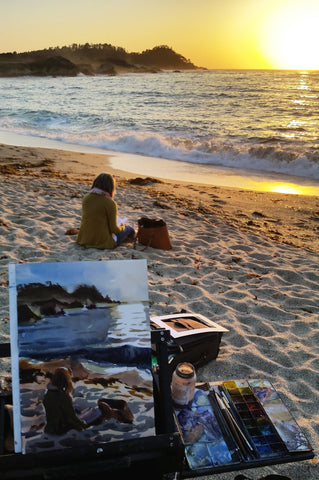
(205, 443)
(233, 425)
(261, 432)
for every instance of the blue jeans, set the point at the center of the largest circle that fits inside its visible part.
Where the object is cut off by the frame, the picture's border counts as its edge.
(127, 232)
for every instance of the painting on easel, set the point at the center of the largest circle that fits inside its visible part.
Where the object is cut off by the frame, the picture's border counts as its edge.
(81, 354)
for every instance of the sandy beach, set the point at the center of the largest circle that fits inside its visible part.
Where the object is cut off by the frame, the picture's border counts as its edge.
(247, 260)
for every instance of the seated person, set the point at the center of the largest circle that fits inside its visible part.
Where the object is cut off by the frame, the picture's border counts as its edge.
(61, 416)
(99, 216)
(57, 401)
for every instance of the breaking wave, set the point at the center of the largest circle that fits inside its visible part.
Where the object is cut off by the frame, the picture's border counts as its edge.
(261, 158)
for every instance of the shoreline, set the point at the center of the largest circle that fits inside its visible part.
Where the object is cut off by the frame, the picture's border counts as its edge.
(286, 218)
(246, 260)
(178, 171)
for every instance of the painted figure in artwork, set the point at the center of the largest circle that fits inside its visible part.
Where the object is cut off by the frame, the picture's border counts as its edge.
(61, 415)
(58, 404)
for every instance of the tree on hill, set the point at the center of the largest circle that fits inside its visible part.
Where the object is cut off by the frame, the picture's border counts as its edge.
(85, 292)
(163, 57)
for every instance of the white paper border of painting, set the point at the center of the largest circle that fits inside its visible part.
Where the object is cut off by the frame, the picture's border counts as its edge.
(14, 358)
(212, 326)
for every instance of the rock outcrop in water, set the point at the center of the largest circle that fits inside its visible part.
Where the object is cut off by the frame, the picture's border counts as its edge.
(51, 66)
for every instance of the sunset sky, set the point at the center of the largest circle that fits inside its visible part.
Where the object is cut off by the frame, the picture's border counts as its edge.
(211, 33)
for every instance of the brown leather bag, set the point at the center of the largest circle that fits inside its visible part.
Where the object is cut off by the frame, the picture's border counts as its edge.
(153, 233)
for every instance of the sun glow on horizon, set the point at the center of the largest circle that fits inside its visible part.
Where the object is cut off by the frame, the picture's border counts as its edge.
(285, 189)
(229, 34)
(290, 36)
(291, 189)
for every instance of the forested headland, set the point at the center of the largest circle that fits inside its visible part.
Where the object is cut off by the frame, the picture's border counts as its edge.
(91, 59)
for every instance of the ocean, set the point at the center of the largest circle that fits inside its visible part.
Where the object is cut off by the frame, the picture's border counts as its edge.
(257, 124)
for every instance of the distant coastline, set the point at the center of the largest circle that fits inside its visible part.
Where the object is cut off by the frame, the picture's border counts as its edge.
(55, 299)
(91, 59)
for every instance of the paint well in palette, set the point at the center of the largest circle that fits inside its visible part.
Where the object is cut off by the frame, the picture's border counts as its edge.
(258, 426)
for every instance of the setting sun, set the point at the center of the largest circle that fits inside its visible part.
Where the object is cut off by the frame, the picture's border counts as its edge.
(290, 37)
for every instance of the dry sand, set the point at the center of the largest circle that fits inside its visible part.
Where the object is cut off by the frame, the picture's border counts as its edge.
(247, 260)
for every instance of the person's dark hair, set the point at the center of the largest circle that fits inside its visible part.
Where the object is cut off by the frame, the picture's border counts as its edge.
(62, 380)
(105, 182)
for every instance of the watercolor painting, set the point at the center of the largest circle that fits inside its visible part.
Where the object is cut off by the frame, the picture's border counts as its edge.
(185, 324)
(81, 354)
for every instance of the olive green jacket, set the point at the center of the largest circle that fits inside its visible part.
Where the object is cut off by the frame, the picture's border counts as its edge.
(99, 222)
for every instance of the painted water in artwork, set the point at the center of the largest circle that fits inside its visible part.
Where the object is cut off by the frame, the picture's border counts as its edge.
(81, 354)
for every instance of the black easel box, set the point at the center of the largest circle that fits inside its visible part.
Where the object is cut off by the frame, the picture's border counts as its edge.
(150, 457)
(193, 338)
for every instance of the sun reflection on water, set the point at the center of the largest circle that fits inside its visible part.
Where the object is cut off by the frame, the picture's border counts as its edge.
(291, 189)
